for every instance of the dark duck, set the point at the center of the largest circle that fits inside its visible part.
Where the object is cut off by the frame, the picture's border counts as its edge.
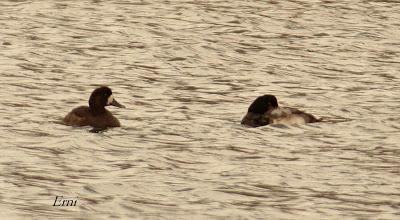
(95, 115)
(265, 110)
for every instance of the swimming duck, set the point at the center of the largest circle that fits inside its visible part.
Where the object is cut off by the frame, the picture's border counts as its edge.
(265, 110)
(95, 115)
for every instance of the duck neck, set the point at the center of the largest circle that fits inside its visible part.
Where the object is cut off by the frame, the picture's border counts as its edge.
(96, 106)
(97, 110)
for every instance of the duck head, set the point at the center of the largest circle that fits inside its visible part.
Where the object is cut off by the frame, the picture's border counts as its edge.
(256, 111)
(263, 104)
(102, 97)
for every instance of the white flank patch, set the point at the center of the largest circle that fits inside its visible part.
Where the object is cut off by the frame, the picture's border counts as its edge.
(290, 120)
(280, 112)
(110, 99)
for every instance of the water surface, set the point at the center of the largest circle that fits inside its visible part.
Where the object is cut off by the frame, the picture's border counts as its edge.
(187, 71)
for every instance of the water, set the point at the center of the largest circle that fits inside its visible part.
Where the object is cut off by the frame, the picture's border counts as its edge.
(187, 71)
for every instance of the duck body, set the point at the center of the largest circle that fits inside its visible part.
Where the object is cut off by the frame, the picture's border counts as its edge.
(82, 116)
(289, 116)
(265, 110)
(95, 115)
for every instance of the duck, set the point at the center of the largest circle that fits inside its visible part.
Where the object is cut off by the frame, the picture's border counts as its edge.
(95, 115)
(265, 110)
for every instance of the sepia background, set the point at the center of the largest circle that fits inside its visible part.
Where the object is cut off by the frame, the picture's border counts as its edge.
(187, 70)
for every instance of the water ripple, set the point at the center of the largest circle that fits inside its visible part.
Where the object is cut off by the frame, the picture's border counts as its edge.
(187, 71)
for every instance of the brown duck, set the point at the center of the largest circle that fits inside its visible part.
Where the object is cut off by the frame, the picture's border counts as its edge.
(95, 115)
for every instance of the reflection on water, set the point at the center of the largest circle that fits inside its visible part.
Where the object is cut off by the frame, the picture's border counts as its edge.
(187, 71)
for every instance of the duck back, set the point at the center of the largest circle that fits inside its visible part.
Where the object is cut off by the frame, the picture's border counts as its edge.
(290, 116)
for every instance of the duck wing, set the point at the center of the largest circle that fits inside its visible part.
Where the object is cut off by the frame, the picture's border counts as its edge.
(77, 117)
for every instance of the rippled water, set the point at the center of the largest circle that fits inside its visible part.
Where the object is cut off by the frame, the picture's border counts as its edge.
(187, 71)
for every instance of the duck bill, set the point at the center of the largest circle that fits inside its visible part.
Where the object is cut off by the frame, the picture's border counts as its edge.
(116, 104)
